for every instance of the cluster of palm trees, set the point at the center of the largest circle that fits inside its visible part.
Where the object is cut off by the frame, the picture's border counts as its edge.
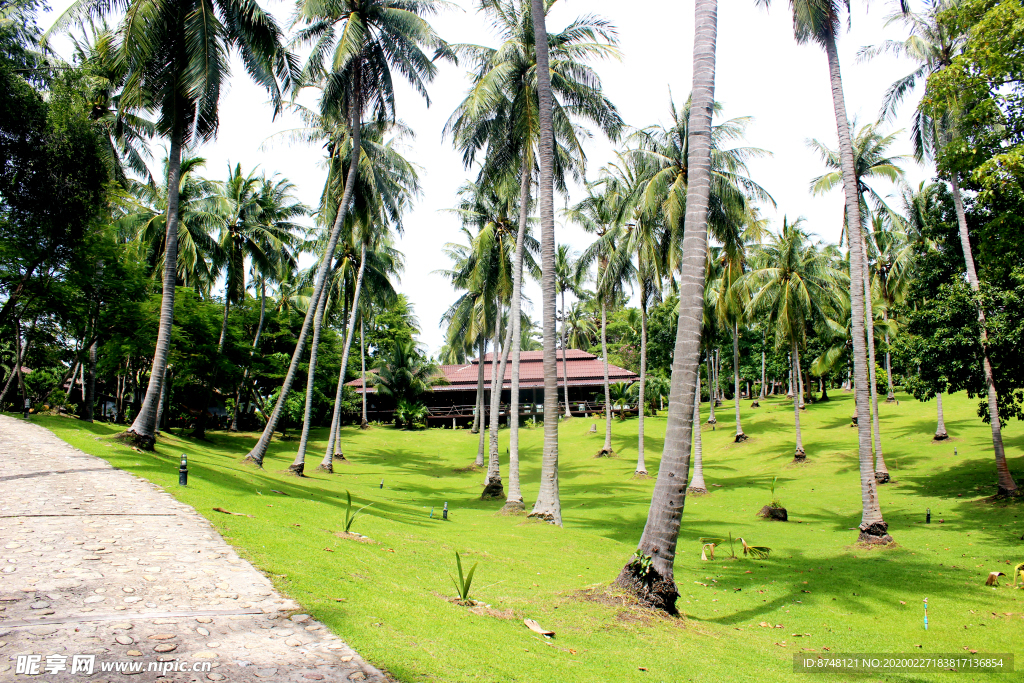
(675, 213)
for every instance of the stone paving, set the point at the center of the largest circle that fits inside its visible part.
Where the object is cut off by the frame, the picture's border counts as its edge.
(97, 562)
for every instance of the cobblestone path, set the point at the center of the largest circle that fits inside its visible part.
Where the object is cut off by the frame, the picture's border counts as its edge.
(100, 569)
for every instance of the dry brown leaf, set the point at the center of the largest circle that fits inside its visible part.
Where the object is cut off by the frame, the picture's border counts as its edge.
(536, 628)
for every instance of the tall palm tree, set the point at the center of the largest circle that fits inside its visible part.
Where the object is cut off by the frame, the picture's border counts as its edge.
(697, 485)
(820, 21)
(500, 116)
(357, 45)
(871, 160)
(934, 44)
(598, 213)
(795, 283)
(568, 278)
(177, 58)
(650, 574)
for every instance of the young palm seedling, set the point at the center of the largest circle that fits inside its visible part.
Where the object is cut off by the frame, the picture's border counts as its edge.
(464, 582)
(350, 516)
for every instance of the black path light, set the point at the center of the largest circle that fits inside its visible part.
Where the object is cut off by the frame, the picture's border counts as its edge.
(445, 511)
(28, 404)
(183, 471)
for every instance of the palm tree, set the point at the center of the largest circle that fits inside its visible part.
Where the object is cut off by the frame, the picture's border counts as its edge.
(650, 574)
(501, 114)
(257, 227)
(697, 485)
(356, 47)
(598, 213)
(568, 277)
(177, 58)
(933, 45)
(870, 161)
(794, 284)
(405, 374)
(820, 22)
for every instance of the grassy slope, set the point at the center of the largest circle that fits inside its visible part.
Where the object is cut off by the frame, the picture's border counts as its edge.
(847, 599)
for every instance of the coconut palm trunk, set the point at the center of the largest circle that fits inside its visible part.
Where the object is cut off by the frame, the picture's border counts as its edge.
(697, 484)
(1007, 486)
(607, 449)
(653, 580)
(298, 466)
(940, 427)
(800, 454)
(329, 456)
(514, 502)
(891, 396)
(881, 471)
(740, 436)
(493, 488)
(259, 451)
(224, 321)
(478, 419)
(252, 352)
(873, 528)
(565, 368)
(798, 387)
(711, 391)
(363, 424)
(143, 429)
(762, 374)
(90, 393)
(548, 505)
(641, 466)
(477, 416)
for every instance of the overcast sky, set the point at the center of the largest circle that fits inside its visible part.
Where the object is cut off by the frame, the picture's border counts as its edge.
(761, 73)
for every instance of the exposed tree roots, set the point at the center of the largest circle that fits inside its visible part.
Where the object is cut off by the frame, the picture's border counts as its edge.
(493, 490)
(650, 588)
(130, 438)
(755, 404)
(297, 470)
(545, 516)
(605, 453)
(882, 478)
(741, 437)
(329, 469)
(640, 474)
(940, 437)
(875, 534)
(696, 491)
(799, 455)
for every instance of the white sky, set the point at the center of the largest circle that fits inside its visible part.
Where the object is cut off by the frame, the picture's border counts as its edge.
(761, 73)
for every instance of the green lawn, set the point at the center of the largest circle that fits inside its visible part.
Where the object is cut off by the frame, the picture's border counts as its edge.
(389, 599)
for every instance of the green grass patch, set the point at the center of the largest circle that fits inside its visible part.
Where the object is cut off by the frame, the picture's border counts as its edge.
(390, 599)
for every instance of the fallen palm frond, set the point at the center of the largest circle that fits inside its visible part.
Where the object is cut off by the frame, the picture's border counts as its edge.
(758, 552)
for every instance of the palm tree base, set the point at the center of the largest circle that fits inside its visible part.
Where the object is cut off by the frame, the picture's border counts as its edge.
(882, 478)
(640, 474)
(940, 436)
(364, 425)
(697, 491)
(252, 460)
(712, 421)
(605, 453)
(493, 490)
(1009, 493)
(649, 587)
(297, 469)
(755, 404)
(548, 517)
(799, 455)
(875, 534)
(514, 507)
(140, 441)
(890, 399)
(853, 420)
(329, 469)
(741, 437)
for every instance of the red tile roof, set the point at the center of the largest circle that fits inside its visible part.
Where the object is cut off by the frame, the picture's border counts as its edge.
(584, 369)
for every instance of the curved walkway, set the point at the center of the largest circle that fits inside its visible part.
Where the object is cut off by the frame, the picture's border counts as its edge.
(100, 569)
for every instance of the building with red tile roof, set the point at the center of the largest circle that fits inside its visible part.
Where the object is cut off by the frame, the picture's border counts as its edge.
(455, 395)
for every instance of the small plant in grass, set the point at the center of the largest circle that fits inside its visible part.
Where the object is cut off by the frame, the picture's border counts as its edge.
(1018, 572)
(350, 516)
(708, 545)
(464, 582)
(774, 509)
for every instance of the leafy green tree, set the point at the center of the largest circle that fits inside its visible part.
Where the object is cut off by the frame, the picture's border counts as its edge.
(177, 60)
(404, 376)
